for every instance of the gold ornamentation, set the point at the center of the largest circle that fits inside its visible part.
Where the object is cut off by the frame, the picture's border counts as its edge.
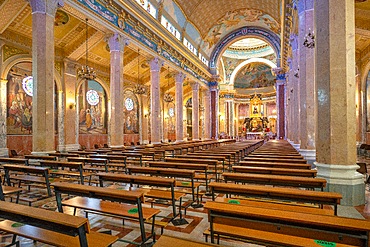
(9, 51)
(58, 67)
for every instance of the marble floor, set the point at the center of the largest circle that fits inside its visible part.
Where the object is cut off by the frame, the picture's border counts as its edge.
(196, 218)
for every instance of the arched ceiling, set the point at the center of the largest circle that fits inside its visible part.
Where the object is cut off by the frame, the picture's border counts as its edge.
(204, 14)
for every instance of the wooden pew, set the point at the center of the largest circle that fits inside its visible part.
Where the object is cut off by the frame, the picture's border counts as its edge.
(283, 194)
(220, 159)
(283, 228)
(152, 193)
(90, 163)
(36, 158)
(196, 167)
(50, 227)
(289, 181)
(88, 198)
(75, 169)
(274, 156)
(290, 160)
(20, 161)
(275, 165)
(276, 171)
(174, 173)
(63, 155)
(32, 174)
(210, 162)
(9, 190)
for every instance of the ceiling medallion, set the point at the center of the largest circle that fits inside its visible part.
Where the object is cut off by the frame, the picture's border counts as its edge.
(61, 18)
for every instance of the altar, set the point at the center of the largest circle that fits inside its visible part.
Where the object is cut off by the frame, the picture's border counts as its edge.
(254, 135)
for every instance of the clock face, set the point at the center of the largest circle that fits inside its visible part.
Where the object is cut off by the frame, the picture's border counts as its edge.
(171, 112)
(129, 104)
(92, 97)
(27, 85)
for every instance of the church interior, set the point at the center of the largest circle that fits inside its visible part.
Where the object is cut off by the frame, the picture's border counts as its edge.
(151, 106)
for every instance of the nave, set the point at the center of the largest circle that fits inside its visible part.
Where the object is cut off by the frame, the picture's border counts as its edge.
(279, 186)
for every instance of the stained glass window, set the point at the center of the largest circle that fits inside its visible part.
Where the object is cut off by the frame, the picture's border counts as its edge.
(171, 112)
(92, 97)
(27, 85)
(129, 103)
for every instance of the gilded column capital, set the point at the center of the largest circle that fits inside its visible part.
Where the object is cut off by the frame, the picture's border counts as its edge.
(156, 64)
(46, 6)
(117, 42)
(194, 85)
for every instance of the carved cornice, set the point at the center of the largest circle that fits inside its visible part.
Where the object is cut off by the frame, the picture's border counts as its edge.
(130, 18)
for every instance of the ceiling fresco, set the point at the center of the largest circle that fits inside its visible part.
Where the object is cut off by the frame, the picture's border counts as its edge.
(254, 75)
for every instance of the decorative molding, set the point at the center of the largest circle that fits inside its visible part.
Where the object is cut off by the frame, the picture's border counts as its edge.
(267, 35)
(135, 29)
(10, 51)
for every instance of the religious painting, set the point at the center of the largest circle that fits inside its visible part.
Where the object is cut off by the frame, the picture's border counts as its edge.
(130, 113)
(19, 100)
(92, 108)
(254, 75)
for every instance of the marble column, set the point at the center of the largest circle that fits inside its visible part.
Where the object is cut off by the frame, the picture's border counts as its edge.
(295, 99)
(117, 45)
(179, 79)
(280, 103)
(288, 104)
(236, 111)
(214, 109)
(155, 116)
(306, 83)
(67, 110)
(145, 122)
(229, 117)
(43, 102)
(335, 89)
(195, 111)
(4, 151)
(207, 114)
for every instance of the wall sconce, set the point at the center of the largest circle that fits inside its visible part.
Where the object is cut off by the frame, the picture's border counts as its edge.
(71, 105)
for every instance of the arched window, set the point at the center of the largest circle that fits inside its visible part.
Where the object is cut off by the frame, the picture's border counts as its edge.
(92, 105)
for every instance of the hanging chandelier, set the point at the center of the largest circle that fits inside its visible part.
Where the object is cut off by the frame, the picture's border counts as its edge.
(167, 96)
(138, 89)
(86, 72)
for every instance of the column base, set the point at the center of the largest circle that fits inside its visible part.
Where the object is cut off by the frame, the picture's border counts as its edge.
(309, 155)
(68, 147)
(343, 179)
(178, 141)
(145, 142)
(296, 146)
(4, 152)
